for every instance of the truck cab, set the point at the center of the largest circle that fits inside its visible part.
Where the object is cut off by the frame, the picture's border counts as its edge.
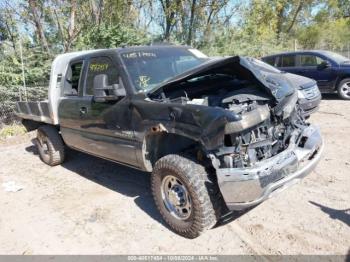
(97, 121)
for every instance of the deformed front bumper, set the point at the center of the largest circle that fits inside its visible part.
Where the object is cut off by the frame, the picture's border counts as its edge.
(246, 187)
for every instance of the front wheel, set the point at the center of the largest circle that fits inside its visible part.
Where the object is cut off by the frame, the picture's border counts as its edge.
(344, 89)
(184, 195)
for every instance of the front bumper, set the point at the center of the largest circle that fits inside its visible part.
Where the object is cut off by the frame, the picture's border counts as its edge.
(246, 187)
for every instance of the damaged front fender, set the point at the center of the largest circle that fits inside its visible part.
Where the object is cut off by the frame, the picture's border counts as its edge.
(200, 123)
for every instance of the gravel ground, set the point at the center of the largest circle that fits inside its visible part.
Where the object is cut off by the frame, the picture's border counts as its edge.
(91, 206)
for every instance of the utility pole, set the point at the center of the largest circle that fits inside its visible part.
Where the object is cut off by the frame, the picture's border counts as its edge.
(23, 76)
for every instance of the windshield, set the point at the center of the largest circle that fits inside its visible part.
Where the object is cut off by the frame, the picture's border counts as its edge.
(151, 67)
(337, 58)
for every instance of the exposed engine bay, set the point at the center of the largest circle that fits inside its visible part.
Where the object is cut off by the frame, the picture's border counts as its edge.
(265, 137)
(262, 131)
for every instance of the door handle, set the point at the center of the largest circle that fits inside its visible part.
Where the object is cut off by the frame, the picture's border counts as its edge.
(83, 111)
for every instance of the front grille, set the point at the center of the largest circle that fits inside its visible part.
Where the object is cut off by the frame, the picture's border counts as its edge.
(311, 92)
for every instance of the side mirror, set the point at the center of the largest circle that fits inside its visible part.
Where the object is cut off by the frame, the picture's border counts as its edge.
(104, 92)
(324, 64)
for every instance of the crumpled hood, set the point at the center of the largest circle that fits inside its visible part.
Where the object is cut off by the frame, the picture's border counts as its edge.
(274, 83)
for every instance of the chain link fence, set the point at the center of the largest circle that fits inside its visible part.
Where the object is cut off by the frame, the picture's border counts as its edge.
(9, 95)
(345, 53)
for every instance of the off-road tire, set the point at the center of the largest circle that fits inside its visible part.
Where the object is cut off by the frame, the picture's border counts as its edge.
(50, 145)
(339, 91)
(204, 193)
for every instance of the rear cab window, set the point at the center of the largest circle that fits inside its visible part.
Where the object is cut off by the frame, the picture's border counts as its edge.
(73, 79)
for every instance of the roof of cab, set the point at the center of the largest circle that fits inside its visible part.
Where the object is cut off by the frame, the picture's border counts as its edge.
(65, 58)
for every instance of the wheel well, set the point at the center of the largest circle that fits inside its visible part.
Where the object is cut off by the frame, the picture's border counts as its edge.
(31, 125)
(341, 79)
(157, 145)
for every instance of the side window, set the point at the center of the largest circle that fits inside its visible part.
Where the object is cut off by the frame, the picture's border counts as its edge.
(73, 79)
(98, 66)
(310, 60)
(287, 61)
(270, 60)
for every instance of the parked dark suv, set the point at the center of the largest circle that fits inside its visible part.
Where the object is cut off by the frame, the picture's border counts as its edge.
(330, 70)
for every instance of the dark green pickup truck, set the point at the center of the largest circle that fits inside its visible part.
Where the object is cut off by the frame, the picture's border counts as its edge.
(218, 135)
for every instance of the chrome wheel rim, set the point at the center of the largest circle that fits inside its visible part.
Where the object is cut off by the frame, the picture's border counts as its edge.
(345, 89)
(176, 197)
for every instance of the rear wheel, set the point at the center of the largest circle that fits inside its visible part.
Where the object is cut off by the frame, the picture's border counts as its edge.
(50, 145)
(185, 195)
(344, 89)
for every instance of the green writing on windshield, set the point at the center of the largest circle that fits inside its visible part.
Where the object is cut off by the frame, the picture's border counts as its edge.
(97, 67)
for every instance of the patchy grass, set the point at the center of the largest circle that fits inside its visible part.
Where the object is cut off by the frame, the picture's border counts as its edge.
(11, 130)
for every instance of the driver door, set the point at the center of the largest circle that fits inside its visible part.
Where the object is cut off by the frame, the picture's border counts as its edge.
(106, 126)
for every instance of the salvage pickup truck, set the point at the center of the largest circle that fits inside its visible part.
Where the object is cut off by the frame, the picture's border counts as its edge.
(217, 135)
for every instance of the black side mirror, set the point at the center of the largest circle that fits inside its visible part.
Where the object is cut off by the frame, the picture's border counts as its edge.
(324, 64)
(104, 92)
